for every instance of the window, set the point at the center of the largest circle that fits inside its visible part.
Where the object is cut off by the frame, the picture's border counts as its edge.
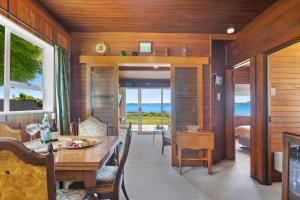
(242, 100)
(26, 70)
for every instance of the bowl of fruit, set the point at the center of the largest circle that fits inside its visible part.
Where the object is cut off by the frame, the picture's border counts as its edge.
(80, 143)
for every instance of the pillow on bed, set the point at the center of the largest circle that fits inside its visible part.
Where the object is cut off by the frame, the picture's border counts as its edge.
(243, 130)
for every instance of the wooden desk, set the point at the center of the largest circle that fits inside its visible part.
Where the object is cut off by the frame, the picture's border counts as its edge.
(82, 164)
(196, 141)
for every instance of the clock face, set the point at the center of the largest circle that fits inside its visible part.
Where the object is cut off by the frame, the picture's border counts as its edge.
(101, 48)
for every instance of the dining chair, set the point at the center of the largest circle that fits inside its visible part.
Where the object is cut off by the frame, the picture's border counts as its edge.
(90, 127)
(27, 175)
(109, 178)
(166, 138)
(7, 131)
(74, 128)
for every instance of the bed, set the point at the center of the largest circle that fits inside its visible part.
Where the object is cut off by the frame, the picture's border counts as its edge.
(242, 133)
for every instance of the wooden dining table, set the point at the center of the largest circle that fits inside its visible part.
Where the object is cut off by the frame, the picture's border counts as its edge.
(83, 164)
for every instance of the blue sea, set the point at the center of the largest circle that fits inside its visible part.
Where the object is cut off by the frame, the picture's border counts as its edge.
(241, 109)
(148, 107)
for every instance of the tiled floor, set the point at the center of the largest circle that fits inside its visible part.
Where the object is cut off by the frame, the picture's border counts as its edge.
(149, 176)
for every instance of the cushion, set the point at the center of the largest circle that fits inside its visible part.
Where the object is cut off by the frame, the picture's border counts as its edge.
(106, 174)
(20, 180)
(92, 127)
(70, 194)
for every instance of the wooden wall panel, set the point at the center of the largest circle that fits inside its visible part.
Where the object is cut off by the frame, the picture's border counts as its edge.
(197, 44)
(31, 13)
(218, 64)
(83, 44)
(242, 75)
(241, 120)
(284, 75)
(275, 26)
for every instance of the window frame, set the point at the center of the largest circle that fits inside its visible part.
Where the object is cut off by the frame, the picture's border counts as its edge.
(47, 67)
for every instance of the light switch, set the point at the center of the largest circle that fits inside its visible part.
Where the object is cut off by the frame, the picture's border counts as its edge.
(219, 96)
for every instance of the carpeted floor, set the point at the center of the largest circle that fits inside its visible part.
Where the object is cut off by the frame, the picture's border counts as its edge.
(149, 176)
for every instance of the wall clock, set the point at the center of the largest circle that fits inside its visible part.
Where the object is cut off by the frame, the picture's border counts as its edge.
(102, 48)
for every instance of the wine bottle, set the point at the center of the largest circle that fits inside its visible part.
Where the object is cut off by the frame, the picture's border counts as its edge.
(45, 130)
(53, 128)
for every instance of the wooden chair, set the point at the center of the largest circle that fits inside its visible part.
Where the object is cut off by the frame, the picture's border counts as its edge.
(109, 177)
(74, 128)
(90, 127)
(166, 139)
(25, 174)
(7, 131)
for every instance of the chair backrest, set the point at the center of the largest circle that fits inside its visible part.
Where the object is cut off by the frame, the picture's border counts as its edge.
(74, 128)
(25, 174)
(123, 158)
(7, 131)
(92, 127)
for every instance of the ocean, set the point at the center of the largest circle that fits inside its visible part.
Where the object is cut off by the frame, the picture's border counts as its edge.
(148, 107)
(241, 109)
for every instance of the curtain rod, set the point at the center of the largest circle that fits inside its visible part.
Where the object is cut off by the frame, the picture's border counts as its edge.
(27, 26)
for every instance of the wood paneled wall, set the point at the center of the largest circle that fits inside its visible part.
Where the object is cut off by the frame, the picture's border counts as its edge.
(84, 43)
(284, 76)
(242, 75)
(35, 16)
(275, 26)
(241, 120)
(31, 13)
(218, 66)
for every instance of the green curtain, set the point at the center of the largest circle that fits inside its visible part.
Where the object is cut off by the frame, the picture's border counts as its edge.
(62, 82)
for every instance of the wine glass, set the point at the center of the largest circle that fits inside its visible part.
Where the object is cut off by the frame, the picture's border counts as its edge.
(32, 130)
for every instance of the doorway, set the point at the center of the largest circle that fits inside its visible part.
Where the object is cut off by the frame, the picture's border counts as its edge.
(242, 114)
(147, 108)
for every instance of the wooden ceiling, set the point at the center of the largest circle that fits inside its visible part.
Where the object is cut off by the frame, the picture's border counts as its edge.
(180, 16)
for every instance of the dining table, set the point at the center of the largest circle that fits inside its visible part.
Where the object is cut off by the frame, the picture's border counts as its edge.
(80, 164)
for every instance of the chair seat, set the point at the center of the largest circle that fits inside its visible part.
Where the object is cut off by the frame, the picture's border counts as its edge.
(106, 174)
(104, 179)
(70, 194)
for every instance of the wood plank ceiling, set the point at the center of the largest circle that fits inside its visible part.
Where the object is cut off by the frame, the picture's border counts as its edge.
(185, 16)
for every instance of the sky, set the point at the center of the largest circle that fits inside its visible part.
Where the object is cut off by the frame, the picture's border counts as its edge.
(242, 99)
(38, 80)
(148, 95)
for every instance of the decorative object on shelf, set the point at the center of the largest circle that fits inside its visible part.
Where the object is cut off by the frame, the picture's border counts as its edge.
(145, 47)
(122, 53)
(218, 79)
(166, 51)
(192, 128)
(102, 48)
(184, 51)
(135, 53)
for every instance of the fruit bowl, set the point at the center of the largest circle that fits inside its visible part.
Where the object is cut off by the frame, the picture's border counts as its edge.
(80, 143)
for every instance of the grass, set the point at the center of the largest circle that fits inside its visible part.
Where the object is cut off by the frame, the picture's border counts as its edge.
(148, 118)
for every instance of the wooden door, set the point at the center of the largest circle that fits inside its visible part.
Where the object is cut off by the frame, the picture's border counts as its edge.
(230, 93)
(187, 101)
(102, 95)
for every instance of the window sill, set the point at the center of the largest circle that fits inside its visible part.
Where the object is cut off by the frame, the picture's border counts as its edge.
(25, 112)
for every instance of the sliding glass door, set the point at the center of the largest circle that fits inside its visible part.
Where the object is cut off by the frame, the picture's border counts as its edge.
(147, 107)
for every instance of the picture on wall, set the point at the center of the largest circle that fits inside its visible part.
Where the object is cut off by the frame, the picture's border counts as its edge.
(145, 47)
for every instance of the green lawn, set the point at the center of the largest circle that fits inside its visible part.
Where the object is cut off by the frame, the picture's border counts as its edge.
(147, 118)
